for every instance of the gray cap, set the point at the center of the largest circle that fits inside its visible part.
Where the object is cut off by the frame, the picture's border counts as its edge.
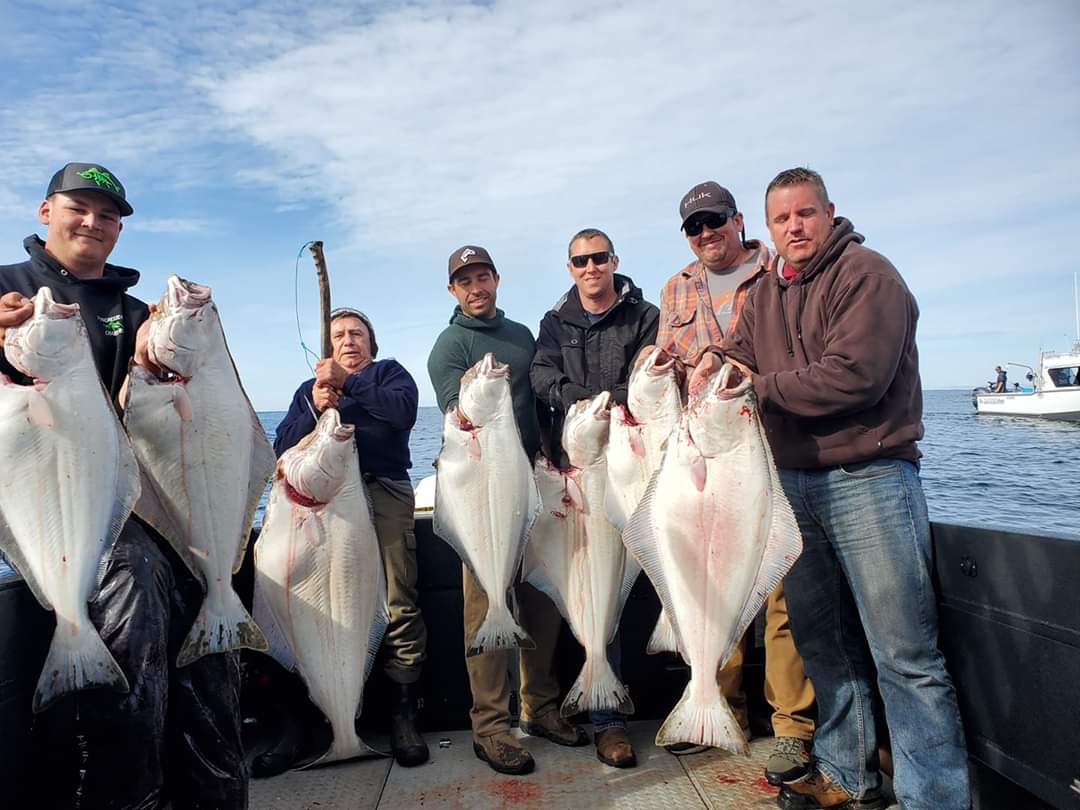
(90, 177)
(707, 196)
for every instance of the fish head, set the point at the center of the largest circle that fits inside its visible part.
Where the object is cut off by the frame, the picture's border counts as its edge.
(722, 411)
(653, 392)
(182, 327)
(318, 465)
(586, 430)
(47, 344)
(484, 389)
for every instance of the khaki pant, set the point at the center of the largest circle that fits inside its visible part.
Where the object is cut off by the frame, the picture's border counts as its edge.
(787, 688)
(489, 673)
(406, 637)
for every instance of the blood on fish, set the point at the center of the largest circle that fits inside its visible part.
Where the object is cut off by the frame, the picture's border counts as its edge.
(745, 411)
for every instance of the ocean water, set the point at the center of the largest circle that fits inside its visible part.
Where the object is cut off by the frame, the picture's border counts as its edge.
(992, 471)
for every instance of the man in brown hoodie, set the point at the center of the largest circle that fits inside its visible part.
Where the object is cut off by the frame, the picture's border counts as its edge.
(828, 338)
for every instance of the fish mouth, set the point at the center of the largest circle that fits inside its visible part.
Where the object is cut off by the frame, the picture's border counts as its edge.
(730, 382)
(601, 405)
(655, 366)
(490, 367)
(299, 498)
(186, 294)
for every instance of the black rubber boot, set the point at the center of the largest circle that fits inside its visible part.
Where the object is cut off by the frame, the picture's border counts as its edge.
(405, 741)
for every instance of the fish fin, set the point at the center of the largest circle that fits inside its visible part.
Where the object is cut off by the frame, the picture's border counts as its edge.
(597, 689)
(710, 723)
(783, 546)
(499, 631)
(641, 539)
(663, 637)
(538, 577)
(38, 410)
(18, 561)
(182, 402)
(379, 623)
(77, 659)
(214, 633)
(151, 509)
(263, 464)
(277, 643)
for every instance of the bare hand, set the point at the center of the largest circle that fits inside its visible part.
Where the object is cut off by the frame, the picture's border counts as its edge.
(15, 309)
(328, 372)
(324, 397)
(709, 364)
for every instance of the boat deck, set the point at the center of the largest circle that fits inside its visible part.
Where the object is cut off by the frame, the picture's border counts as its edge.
(564, 779)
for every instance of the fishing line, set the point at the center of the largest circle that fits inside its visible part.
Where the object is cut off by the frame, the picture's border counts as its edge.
(299, 332)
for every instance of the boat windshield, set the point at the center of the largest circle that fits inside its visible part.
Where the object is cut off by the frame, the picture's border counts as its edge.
(1066, 377)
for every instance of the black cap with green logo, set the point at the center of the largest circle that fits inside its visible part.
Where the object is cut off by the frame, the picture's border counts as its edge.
(90, 177)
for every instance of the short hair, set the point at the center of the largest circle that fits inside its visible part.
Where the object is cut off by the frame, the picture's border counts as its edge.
(589, 233)
(349, 312)
(796, 177)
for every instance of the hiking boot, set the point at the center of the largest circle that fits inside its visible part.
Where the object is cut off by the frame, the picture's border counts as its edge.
(789, 761)
(504, 753)
(405, 741)
(816, 790)
(552, 726)
(613, 748)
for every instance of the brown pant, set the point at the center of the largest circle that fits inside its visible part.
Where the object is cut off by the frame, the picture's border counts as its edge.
(489, 673)
(406, 636)
(787, 688)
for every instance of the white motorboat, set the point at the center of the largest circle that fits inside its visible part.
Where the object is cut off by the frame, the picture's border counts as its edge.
(1055, 394)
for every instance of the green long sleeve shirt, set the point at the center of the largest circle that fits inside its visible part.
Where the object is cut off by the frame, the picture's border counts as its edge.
(463, 344)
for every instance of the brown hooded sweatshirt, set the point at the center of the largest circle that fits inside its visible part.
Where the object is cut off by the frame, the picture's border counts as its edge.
(835, 356)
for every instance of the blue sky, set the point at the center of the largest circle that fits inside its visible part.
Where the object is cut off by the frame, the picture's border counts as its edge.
(395, 132)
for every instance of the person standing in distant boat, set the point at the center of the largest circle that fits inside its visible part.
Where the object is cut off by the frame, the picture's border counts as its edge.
(379, 398)
(98, 748)
(828, 340)
(476, 328)
(588, 343)
(1001, 381)
(698, 306)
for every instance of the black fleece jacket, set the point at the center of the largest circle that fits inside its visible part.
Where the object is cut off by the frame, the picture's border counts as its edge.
(576, 359)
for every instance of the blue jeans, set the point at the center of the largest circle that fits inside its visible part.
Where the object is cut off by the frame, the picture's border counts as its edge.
(609, 718)
(863, 580)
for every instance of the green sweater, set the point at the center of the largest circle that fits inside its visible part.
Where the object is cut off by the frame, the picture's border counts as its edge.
(464, 343)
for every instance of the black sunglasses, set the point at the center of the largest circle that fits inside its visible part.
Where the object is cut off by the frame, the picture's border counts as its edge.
(598, 258)
(710, 220)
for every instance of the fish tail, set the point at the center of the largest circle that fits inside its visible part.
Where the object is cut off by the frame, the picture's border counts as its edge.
(345, 747)
(216, 631)
(663, 637)
(708, 723)
(597, 689)
(77, 659)
(500, 632)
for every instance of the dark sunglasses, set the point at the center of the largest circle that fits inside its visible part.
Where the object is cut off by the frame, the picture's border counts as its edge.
(598, 258)
(712, 221)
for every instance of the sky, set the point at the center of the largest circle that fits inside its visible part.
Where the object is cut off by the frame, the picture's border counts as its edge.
(397, 132)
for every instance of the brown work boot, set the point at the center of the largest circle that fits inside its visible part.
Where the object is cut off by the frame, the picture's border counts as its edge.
(504, 753)
(613, 748)
(816, 790)
(552, 726)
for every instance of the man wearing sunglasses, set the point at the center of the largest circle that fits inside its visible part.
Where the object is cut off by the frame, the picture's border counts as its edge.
(828, 340)
(379, 398)
(476, 328)
(588, 343)
(698, 306)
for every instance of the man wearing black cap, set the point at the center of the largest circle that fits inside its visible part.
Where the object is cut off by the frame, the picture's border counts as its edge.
(588, 343)
(379, 398)
(476, 328)
(98, 748)
(698, 306)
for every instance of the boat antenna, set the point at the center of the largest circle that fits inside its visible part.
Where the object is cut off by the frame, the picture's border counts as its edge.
(1076, 311)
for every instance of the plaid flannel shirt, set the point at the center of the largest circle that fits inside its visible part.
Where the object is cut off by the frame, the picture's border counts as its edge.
(688, 324)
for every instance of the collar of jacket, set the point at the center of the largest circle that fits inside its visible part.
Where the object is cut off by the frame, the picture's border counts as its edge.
(469, 322)
(569, 307)
(114, 277)
(764, 260)
(843, 234)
